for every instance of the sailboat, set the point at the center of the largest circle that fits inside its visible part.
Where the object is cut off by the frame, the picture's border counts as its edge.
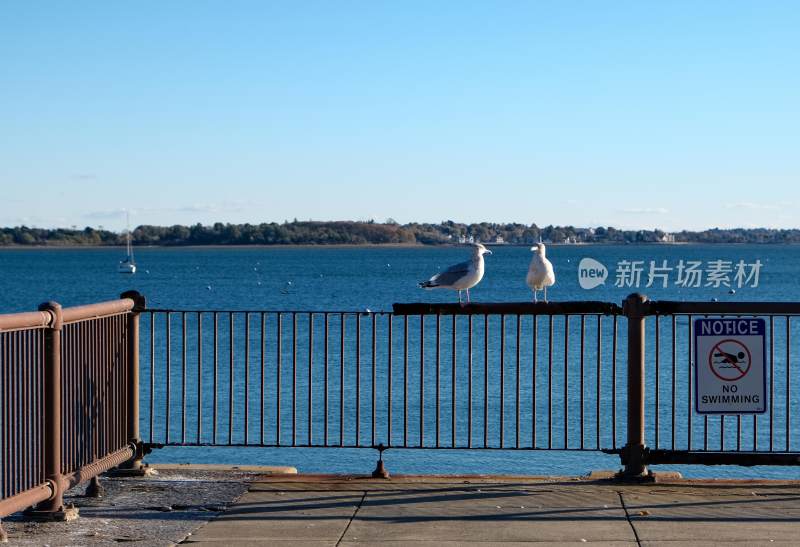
(127, 265)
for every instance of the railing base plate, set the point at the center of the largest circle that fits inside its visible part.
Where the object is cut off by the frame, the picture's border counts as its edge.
(380, 471)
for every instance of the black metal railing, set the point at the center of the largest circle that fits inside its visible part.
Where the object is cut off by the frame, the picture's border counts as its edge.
(450, 379)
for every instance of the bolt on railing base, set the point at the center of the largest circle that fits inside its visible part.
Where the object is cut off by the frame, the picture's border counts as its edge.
(380, 470)
(95, 489)
(65, 513)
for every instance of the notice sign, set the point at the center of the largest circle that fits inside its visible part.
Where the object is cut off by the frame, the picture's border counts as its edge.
(730, 372)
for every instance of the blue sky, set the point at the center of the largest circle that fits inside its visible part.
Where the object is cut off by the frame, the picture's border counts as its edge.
(632, 114)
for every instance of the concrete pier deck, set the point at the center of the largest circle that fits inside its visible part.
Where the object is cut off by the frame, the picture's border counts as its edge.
(247, 507)
(330, 511)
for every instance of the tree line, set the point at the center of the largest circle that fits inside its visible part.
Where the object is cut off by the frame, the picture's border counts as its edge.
(370, 232)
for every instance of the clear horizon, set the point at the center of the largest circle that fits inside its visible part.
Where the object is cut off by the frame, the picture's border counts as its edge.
(633, 115)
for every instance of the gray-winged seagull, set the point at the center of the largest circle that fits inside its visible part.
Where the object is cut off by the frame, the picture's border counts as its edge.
(461, 276)
(540, 272)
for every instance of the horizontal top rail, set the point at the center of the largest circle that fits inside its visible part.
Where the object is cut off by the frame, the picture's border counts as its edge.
(668, 307)
(298, 312)
(49, 317)
(25, 320)
(511, 308)
(101, 309)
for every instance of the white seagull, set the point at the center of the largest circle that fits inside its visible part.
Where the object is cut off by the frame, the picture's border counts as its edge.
(540, 272)
(461, 276)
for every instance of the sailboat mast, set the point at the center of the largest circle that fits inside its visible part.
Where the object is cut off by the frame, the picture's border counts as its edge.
(128, 234)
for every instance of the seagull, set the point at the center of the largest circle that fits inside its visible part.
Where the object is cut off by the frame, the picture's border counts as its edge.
(461, 276)
(540, 272)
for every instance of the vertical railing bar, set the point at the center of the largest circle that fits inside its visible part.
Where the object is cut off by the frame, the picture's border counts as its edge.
(183, 377)
(246, 398)
(674, 380)
(73, 390)
(771, 381)
(405, 380)
(278, 363)
(14, 408)
(438, 373)
(421, 380)
(294, 378)
(216, 376)
(374, 375)
(325, 383)
(4, 416)
(231, 380)
(341, 378)
(788, 383)
(22, 425)
(614, 384)
(599, 380)
(658, 376)
(502, 378)
(199, 377)
(516, 400)
(25, 385)
(486, 380)
(169, 373)
(152, 371)
(389, 357)
(550, 384)
(8, 383)
(262, 389)
(583, 339)
(453, 393)
(690, 389)
(566, 382)
(310, 379)
(469, 381)
(358, 380)
(534, 362)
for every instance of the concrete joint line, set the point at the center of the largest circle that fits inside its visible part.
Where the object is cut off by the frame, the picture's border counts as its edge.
(355, 512)
(628, 518)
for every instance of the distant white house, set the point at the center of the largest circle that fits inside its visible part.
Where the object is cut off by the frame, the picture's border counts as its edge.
(499, 240)
(668, 238)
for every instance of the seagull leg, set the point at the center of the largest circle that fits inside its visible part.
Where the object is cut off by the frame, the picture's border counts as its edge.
(459, 298)
(534, 296)
(545, 295)
(468, 296)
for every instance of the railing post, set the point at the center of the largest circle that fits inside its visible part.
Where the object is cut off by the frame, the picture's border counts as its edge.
(53, 508)
(634, 455)
(134, 466)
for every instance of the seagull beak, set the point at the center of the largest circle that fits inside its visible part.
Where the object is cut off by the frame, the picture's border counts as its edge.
(487, 251)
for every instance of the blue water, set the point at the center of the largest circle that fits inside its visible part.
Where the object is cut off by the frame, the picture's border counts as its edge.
(356, 279)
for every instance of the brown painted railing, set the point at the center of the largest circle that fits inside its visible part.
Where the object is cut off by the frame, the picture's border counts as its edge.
(68, 399)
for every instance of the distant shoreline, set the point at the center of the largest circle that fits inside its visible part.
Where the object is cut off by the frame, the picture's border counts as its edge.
(373, 246)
